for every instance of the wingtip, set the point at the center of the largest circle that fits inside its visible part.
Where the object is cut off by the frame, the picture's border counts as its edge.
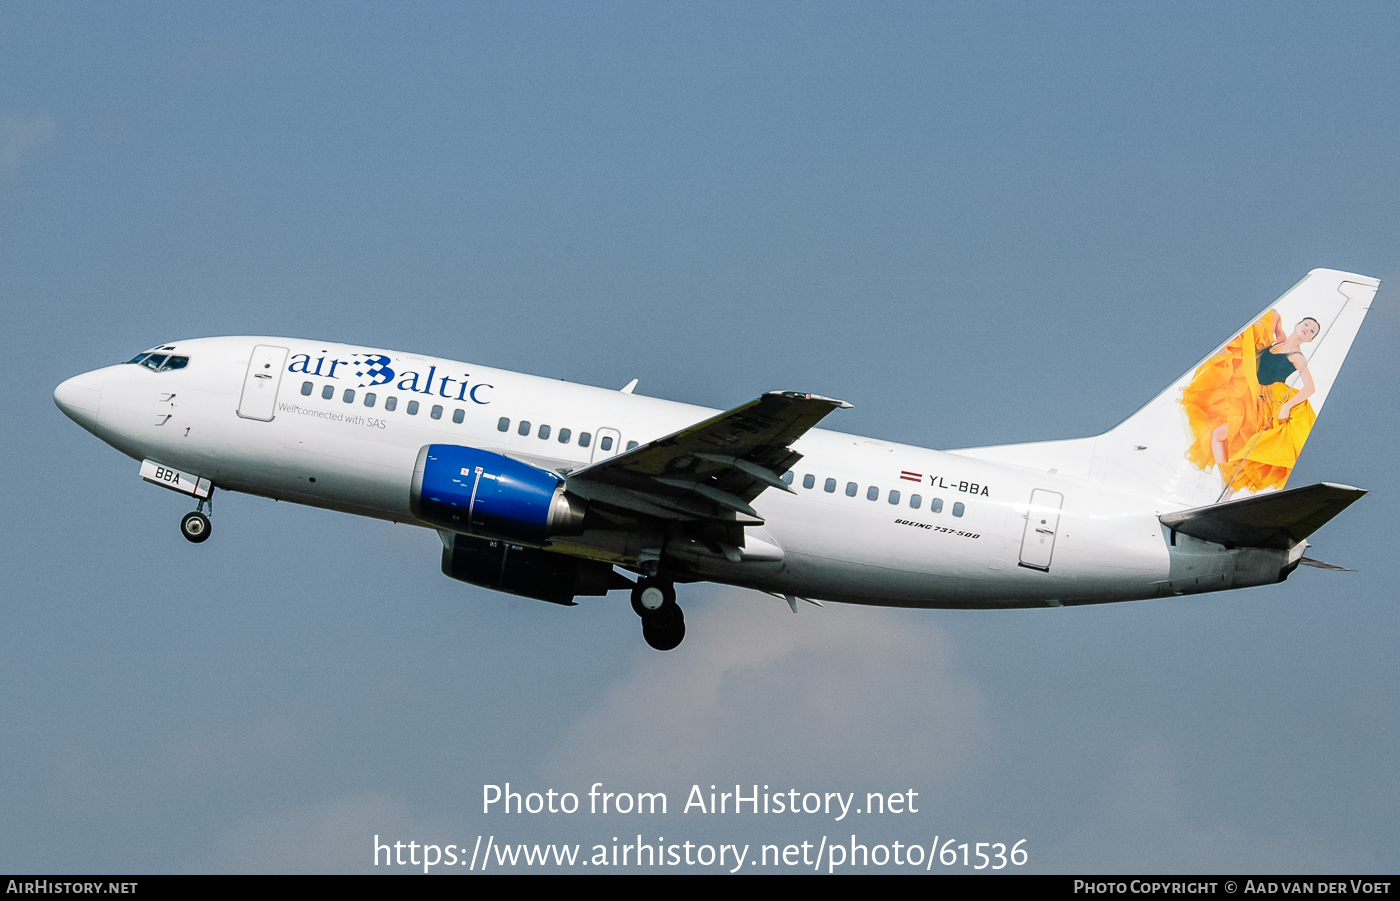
(840, 404)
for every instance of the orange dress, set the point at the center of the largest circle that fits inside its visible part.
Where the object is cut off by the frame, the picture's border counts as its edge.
(1260, 451)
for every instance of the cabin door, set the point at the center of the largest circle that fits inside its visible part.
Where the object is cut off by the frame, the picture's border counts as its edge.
(260, 383)
(1042, 521)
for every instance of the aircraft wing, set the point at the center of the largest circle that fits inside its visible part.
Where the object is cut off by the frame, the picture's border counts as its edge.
(1278, 519)
(711, 470)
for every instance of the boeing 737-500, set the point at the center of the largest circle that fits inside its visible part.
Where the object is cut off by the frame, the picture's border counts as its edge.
(552, 490)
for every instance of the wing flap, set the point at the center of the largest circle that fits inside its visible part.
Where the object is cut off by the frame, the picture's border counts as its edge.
(713, 469)
(1279, 519)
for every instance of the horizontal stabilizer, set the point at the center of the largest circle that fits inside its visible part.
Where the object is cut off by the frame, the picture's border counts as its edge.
(1308, 561)
(1277, 519)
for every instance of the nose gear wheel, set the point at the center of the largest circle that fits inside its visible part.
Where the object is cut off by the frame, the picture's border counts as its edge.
(195, 527)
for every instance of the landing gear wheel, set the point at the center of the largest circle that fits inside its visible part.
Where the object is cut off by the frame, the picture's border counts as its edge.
(665, 636)
(651, 595)
(663, 623)
(195, 527)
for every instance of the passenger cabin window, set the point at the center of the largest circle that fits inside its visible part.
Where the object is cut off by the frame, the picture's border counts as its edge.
(631, 445)
(788, 477)
(584, 438)
(830, 486)
(348, 396)
(936, 505)
(524, 427)
(958, 508)
(851, 489)
(306, 388)
(915, 501)
(607, 442)
(436, 411)
(894, 496)
(328, 392)
(809, 480)
(391, 403)
(458, 416)
(872, 493)
(413, 408)
(544, 432)
(503, 424)
(564, 435)
(369, 398)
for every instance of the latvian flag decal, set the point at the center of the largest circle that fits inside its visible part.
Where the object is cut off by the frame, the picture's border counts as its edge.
(911, 476)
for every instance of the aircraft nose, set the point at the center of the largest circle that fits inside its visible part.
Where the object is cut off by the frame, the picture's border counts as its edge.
(80, 398)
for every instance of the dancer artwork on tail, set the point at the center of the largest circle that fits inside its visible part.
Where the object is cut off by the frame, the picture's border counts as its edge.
(1249, 424)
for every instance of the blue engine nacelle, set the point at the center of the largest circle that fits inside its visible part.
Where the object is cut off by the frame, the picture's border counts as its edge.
(476, 492)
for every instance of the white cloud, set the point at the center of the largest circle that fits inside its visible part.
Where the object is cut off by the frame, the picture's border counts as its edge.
(839, 695)
(21, 137)
(835, 698)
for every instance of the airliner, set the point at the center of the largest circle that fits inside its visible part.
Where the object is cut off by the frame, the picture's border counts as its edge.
(551, 490)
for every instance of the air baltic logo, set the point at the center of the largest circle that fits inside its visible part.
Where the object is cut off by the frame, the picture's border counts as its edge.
(374, 370)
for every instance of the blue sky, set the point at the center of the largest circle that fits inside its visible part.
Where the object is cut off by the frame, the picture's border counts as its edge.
(977, 223)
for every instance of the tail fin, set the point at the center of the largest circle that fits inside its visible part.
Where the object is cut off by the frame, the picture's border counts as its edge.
(1234, 424)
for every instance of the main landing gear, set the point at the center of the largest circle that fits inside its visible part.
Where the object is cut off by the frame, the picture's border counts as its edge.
(195, 525)
(663, 623)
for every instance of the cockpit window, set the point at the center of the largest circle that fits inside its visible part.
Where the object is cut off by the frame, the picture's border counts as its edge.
(159, 362)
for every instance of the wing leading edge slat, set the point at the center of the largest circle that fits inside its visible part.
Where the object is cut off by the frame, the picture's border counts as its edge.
(713, 469)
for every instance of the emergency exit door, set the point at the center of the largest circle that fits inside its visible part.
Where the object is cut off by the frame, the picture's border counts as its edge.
(606, 443)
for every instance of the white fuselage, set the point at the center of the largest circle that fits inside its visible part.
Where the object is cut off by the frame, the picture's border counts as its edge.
(963, 546)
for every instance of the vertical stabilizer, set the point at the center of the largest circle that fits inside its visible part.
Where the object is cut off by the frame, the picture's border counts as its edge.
(1234, 424)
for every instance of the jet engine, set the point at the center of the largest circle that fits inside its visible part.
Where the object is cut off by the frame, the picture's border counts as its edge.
(526, 571)
(476, 492)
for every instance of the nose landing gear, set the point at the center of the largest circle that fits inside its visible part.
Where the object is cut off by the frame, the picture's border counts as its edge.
(195, 525)
(663, 623)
